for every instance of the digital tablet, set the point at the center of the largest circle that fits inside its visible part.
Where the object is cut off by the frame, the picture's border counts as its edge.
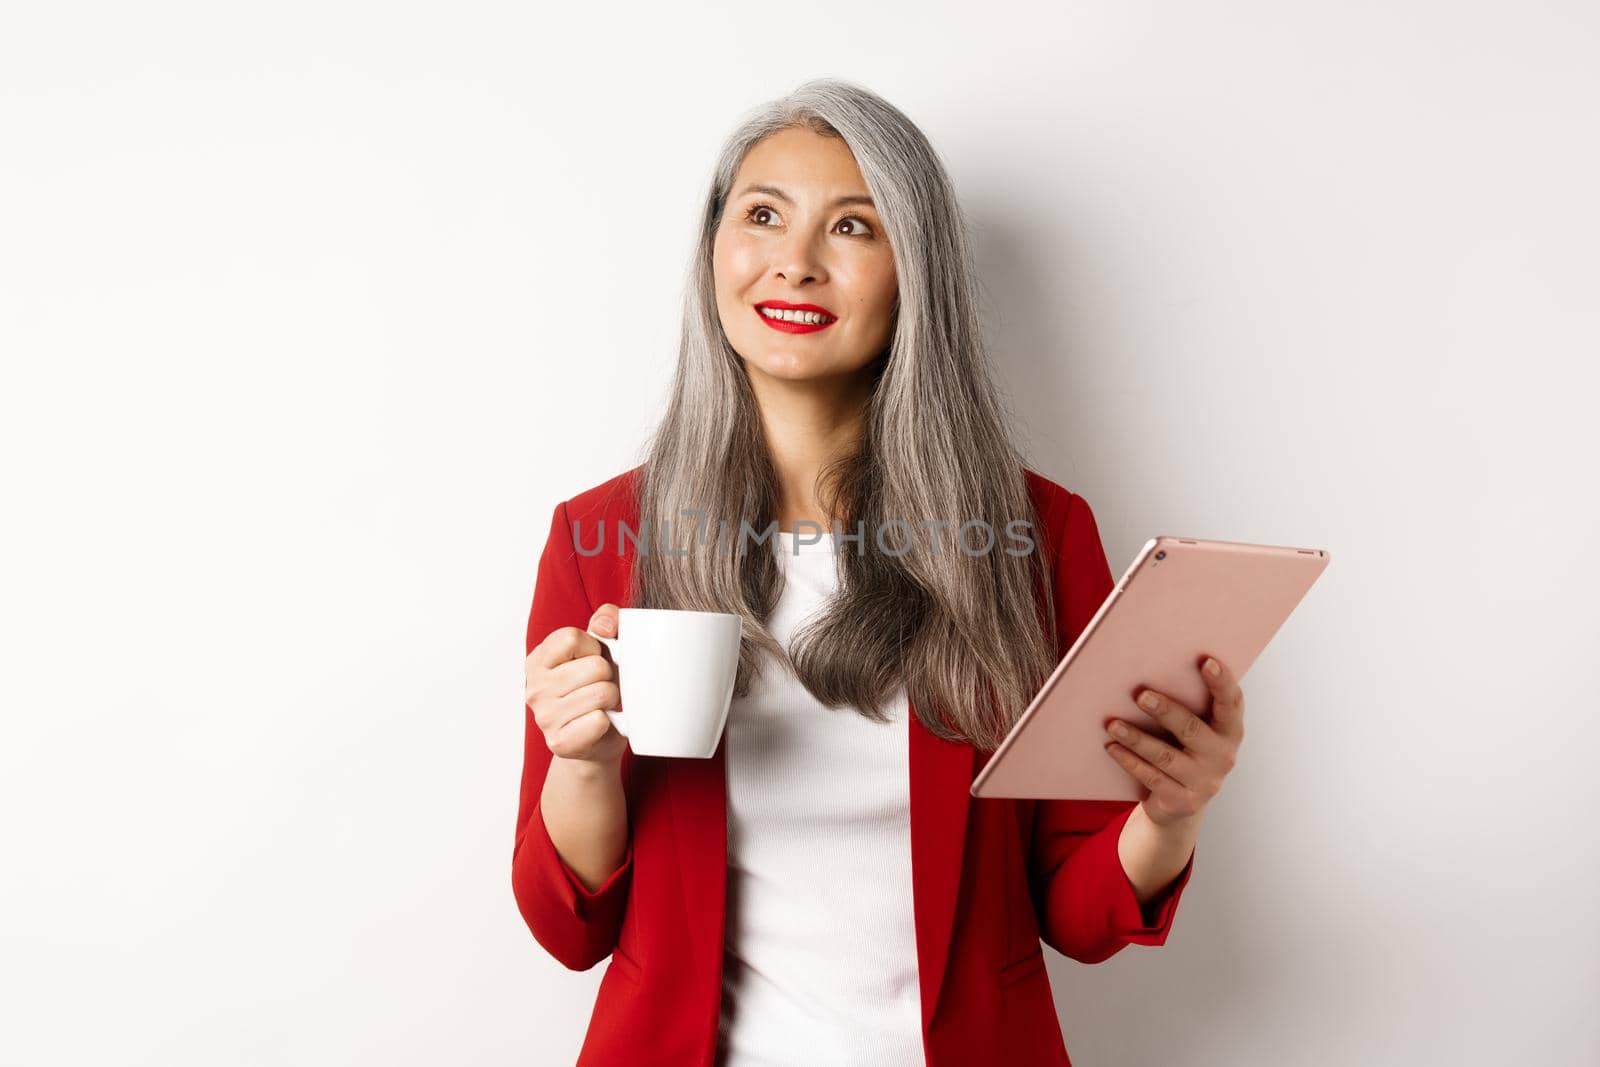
(1181, 599)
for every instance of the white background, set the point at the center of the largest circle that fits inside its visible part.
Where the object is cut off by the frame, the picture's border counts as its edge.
(311, 313)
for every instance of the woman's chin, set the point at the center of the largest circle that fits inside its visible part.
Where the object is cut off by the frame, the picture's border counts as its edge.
(792, 365)
(796, 366)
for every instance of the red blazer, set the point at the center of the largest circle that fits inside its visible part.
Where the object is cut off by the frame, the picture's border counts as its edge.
(991, 877)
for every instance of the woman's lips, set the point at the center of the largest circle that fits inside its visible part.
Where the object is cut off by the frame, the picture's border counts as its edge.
(794, 327)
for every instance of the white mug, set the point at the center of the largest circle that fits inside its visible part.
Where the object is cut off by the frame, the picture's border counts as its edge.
(675, 670)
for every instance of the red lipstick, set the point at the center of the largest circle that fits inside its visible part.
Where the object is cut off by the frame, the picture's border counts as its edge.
(795, 327)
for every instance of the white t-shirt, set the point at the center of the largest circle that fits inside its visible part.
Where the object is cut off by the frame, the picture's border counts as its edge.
(820, 952)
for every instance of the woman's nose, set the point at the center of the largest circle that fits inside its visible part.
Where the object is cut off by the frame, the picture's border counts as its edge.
(796, 260)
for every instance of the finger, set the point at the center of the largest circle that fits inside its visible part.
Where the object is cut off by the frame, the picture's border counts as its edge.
(556, 705)
(580, 733)
(566, 678)
(604, 620)
(566, 643)
(566, 659)
(1188, 729)
(1173, 762)
(1171, 793)
(559, 647)
(598, 696)
(1227, 699)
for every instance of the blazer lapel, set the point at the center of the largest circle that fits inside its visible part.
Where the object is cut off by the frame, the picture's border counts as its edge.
(699, 792)
(941, 783)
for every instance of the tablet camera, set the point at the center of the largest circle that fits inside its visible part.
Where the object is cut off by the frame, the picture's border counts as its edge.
(1162, 554)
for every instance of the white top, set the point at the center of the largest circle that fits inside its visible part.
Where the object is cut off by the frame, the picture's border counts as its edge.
(820, 952)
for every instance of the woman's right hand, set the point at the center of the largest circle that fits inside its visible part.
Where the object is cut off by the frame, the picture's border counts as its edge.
(569, 682)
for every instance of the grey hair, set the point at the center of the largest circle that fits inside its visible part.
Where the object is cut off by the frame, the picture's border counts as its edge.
(955, 629)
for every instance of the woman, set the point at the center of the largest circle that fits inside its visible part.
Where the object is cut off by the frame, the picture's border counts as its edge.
(824, 890)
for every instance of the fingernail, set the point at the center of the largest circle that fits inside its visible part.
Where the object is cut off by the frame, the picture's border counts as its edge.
(603, 624)
(1212, 668)
(1148, 701)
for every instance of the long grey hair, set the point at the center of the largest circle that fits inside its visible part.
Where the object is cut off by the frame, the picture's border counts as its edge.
(970, 636)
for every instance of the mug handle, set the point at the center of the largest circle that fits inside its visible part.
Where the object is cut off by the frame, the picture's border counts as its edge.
(614, 644)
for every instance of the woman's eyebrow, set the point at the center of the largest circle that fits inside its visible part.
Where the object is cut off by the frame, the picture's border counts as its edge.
(773, 190)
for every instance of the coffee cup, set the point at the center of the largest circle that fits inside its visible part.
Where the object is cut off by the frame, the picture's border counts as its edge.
(675, 671)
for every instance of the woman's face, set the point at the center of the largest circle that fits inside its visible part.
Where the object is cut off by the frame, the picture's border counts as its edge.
(785, 236)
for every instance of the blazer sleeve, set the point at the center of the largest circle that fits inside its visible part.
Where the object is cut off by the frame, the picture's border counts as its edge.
(576, 926)
(1086, 906)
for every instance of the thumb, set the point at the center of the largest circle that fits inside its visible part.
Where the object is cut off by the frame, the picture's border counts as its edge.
(604, 620)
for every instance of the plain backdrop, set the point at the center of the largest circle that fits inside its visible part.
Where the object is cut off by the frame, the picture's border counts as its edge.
(312, 312)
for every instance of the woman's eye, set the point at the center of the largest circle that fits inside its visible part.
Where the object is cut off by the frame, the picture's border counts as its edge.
(757, 212)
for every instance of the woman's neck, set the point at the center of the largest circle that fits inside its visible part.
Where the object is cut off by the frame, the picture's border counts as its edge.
(809, 426)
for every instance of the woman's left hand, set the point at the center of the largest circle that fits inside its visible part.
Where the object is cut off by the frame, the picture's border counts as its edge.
(1183, 779)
